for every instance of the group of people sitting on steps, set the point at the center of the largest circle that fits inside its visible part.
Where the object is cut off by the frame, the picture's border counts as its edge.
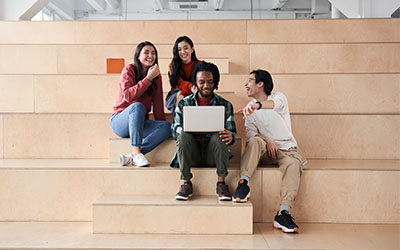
(193, 83)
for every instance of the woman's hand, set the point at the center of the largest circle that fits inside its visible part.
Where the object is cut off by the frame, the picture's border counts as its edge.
(193, 89)
(153, 72)
(179, 97)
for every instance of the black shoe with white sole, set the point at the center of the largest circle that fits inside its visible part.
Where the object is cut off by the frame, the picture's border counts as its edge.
(185, 192)
(242, 193)
(223, 192)
(284, 222)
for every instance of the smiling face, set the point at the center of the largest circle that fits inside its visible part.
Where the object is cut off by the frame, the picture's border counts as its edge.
(205, 83)
(185, 52)
(252, 88)
(147, 56)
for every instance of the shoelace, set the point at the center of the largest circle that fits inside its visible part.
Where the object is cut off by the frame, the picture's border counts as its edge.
(141, 157)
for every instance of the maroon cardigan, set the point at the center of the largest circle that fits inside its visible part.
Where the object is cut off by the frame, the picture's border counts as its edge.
(131, 91)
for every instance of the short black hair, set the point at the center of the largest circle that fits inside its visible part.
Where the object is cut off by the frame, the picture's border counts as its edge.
(265, 77)
(206, 66)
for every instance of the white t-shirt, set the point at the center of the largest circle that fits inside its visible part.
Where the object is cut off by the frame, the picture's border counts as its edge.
(273, 123)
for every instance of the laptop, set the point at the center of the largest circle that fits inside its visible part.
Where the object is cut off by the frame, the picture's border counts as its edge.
(203, 118)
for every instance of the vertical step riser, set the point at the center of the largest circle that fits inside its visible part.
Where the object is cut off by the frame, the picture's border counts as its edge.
(179, 219)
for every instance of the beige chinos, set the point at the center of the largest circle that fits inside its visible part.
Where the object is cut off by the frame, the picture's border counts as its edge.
(290, 164)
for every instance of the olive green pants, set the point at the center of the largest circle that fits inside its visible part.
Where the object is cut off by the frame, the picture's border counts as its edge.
(201, 152)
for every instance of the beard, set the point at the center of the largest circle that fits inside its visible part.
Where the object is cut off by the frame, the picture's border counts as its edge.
(204, 95)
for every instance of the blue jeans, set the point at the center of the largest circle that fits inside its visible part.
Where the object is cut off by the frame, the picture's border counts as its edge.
(131, 123)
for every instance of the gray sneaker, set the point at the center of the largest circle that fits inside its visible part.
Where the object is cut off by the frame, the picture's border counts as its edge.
(185, 192)
(223, 192)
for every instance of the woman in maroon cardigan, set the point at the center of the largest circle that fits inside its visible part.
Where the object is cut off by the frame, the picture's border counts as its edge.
(140, 89)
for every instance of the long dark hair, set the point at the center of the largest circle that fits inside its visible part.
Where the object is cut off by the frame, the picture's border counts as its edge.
(176, 63)
(137, 65)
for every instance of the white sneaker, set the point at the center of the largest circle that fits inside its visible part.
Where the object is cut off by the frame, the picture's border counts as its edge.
(125, 160)
(140, 161)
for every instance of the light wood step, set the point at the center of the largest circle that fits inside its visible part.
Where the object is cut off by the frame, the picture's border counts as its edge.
(222, 64)
(242, 58)
(337, 93)
(64, 190)
(161, 154)
(358, 30)
(87, 135)
(165, 215)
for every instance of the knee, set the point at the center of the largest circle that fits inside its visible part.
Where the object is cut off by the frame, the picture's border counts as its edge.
(166, 127)
(294, 167)
(255, 142)
(184, 139)
(216, 140)
(137, 107)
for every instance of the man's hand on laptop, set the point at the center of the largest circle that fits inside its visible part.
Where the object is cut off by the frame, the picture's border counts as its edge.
(226, 136)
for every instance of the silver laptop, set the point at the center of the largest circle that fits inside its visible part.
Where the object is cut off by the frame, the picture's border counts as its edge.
(203, 118)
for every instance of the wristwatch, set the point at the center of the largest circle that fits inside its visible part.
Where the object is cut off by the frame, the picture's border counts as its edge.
(259, 105)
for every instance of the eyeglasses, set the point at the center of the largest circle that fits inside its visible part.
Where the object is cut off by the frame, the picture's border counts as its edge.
(251, 79)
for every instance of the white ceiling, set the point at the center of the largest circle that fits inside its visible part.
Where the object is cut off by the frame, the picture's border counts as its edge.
(188, 9)
(215, 9)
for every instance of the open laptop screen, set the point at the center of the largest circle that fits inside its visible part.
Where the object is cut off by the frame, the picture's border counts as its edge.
(203, 118)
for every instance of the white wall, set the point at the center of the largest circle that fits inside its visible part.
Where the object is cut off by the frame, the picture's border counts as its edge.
(366, 8)
(13, 9)
(378, 9)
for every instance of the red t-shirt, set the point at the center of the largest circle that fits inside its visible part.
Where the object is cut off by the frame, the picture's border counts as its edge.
(185, 86)
(203, 101)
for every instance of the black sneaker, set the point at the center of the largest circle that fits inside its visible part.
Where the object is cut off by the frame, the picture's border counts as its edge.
(285, 222)
(185, 192)
(242, 192)
(223, 192)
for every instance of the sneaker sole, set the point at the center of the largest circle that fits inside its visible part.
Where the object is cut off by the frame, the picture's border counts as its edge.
(284, 229)
(182, 198)
(224, 198)
(237, 199)
(141, 165)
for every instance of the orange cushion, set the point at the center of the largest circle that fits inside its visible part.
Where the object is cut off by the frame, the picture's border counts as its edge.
(115, 65)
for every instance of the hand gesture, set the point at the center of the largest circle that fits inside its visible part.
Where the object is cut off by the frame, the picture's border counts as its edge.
(179, 97)
(226, 136)
(248, 110)
(193, 89)
(153, 72)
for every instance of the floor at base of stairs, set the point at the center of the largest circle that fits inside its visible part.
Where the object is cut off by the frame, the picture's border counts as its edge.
(78, 235)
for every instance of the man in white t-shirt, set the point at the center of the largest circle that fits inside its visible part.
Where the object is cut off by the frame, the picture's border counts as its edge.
(270, 141)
